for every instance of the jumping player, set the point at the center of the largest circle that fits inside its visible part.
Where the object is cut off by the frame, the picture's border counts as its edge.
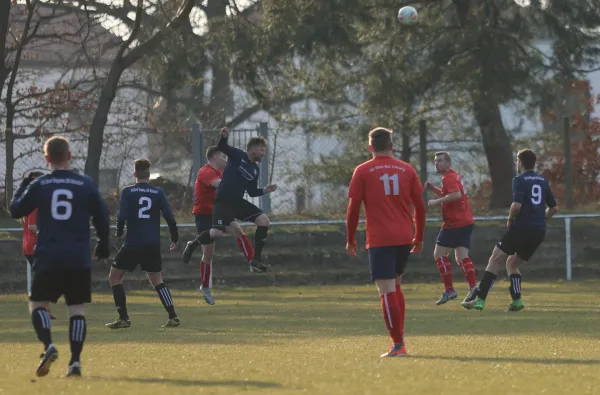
(388, 187)
(240, 176)
(456, 228)
(207, 181)
(140, 208)
(62, 265)
(533, 205)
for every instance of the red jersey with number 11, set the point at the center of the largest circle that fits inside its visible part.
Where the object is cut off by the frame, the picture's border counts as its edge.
(388, 187)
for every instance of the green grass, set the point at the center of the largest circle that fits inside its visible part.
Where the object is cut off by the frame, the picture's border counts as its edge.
(318, 340)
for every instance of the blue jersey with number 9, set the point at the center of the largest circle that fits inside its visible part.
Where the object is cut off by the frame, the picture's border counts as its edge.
(533, 192)
(65, 201)
(140, 207)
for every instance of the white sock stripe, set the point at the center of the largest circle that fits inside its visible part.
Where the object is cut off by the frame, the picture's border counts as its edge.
(166, 296)
(78, 330)
(45, 318)
(243, 243)
(387, 310)
(516, 283)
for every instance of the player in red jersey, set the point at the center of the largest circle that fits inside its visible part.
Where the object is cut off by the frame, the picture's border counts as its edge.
(456, 229)
(30, 239)
(388, 187)
(209, 177)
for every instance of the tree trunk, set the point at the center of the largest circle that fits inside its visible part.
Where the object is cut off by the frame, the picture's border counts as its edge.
(406, 148)
(4, 13)
(96, 137)
(497, 148)
(10, 154)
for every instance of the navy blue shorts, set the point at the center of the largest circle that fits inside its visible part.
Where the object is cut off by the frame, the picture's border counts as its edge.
(388, 262)
(203, 222)
(455, 237)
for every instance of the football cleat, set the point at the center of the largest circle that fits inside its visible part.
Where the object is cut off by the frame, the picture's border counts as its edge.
(74, 370)
(257, 266)
(47, 359)
(396, 350)
(472, 294)
(118, 324)
(208, 298)
(446, 296)
(171, 323)
(516, 305)
(477, 304)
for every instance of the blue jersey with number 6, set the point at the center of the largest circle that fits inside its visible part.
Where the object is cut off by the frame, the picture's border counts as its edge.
(65, 201)
(140, 207)
(533, 192)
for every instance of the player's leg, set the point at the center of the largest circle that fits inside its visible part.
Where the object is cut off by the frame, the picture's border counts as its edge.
(461, 254)
(78, 292)
(30, 259)
(514, 274)
(153, 267)
(125, 261)
(402, 256)
(206, 273)
(440, 253)
(223, 215)
(530, 240)
(382, 261)
(46, 288)
(242, 240)
(495, 262)
(203, 223)
(249, 212)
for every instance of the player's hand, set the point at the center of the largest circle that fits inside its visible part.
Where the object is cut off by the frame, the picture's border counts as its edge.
(417, 247)
(172, 246)
(101, 251)
(509, 223)
(433, 202)
(270, 188)
(351, 249)
(428, 185)
(225, 132)
(27, 180)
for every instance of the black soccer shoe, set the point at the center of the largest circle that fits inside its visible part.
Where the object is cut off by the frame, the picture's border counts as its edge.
(74, 370)
(47, 359)
(188, 251)
(257, 266)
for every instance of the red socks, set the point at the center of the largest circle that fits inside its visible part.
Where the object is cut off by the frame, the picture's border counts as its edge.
(445, 267)
(402, 305)
(205, 274)
(469, 272)
(246, 247)
(392, 316)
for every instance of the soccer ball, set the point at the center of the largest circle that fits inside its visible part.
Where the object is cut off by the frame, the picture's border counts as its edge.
(407, 15)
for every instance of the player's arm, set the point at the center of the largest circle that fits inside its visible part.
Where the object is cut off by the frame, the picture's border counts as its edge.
(25, 199)
(356, 193)
(32, 221)
(215, 183)
(436, 191)
(101, 222)
(254, 191)
(122, 214)
(228, 150)
(517, 199)
(551, 203)
(451, 185)
(169, 217)
(416, 198)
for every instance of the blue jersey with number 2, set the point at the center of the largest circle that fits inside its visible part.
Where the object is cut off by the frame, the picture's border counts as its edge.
(533, 192)
(140, 207)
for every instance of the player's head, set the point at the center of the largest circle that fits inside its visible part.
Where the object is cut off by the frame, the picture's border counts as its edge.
(216, 158)
(57, 152)
(442, 162)
(380, 141)
(526, 159)
(256, 148)
(141, 169)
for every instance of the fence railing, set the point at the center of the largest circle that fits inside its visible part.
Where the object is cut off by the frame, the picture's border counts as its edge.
(567, 218)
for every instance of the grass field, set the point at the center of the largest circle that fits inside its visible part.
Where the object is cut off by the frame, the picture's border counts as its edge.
(319, 340)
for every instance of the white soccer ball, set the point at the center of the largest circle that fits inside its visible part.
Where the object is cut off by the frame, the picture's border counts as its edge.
(408, 15)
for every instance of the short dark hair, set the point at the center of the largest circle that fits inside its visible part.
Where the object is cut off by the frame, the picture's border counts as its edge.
(57, 149)
(445, 154)
(380, 139)
(256, 141)
(527, 158)
(211, 151)
(141, 167)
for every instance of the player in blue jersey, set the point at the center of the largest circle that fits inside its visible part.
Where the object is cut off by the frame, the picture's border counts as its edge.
(533, 205)
(62, 265)
(241, 175)
(140, 207)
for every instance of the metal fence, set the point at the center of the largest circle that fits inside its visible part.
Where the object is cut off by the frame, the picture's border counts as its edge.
(567, 219)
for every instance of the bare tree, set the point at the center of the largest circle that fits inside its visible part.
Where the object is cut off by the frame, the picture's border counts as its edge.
(122, 62)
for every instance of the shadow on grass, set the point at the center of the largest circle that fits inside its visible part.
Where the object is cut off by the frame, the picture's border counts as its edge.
(542, 361)
(189, 383)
